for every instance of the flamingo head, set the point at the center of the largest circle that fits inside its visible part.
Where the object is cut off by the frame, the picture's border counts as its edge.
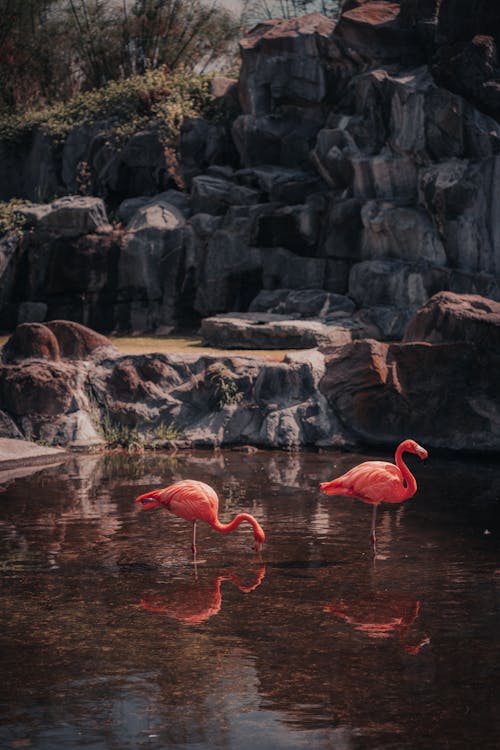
(259, 536)
(410, 446)
(149, 499)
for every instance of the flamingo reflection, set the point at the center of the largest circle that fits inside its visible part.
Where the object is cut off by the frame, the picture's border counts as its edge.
(381, 614)
(197, 600)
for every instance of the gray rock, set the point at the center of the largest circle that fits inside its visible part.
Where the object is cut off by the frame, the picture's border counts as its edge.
(304, 303)
(462, 197)
(391, 231)
(268, 331)
(394, 283)
(139, 168)
(70, 216)
(284, 59)
(214, 195)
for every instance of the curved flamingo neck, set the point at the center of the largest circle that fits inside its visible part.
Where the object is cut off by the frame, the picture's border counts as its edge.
(226, 528)
(408, 478)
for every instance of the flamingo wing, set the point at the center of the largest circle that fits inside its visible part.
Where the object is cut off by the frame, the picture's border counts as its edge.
(191, 500)
(371, 481)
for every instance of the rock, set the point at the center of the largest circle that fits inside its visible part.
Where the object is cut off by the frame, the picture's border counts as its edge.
(70, 216)
(304, 303)
(284, 60)
(213, 195)
(285, 140)
(44, 389)
(149, 263)
(284, 269)
(204, 144)
(31, 340)
(77, 341)
(342, 238)
(394, 282)
(385, 176)
(157, 215)
(139, 168)
(53, 340)
(29, 169)
(293, 227)
(391, 231)
(448, 317)
(267, 331)
(461, 197)
(441, 394)
(289, 186)
(175, 198)
(8, 430)
(373, 29)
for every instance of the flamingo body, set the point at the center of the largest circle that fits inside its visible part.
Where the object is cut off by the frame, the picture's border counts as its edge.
(375, 482)
(196, 501)
(378, 481)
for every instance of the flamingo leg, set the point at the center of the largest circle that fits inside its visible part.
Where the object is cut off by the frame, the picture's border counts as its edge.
(193, 544)
(373, 537)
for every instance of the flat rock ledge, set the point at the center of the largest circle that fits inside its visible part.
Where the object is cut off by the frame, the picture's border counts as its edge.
(15, 453)
(255, 330)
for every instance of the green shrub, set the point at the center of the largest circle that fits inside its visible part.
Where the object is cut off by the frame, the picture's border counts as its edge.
(124, 106)
(10, 219)
(118, 435)
(225, 390)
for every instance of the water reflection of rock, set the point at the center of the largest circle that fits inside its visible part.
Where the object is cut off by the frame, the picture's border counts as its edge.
(197, 599)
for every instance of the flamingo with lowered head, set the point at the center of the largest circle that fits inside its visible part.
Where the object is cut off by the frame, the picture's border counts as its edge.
(197, 501)
(377, 482)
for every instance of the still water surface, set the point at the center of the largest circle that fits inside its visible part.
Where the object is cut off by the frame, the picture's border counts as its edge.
(110, 638)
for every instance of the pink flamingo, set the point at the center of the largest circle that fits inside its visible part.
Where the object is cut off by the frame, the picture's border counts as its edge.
(197, 501)
(375, 482)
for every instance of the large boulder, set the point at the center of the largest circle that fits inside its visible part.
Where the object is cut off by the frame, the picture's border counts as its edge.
(373, 30)
(443, 395)
(449, 317)
(36, 388)
(268, 331)
(284, 60)
(31, 340)
(54, 340)
(70, 216)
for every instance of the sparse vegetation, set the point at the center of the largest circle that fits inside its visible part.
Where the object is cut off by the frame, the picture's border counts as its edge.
(225, 390)
(125, 106)
(168, 432)
(10, 218)
(118, 435)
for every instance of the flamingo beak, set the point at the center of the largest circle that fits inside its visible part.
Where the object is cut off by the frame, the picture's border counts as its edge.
(149, 500)
(421, 452)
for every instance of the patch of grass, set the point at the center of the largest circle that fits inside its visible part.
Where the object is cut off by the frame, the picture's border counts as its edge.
(187, 345)
(166, 432)
(117, 435)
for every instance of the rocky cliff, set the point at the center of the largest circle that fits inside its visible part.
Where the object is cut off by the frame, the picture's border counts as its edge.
(363, 162)
(355, 176)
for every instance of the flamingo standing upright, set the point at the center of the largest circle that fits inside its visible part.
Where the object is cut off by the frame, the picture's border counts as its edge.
(197, 501)
(377, 482)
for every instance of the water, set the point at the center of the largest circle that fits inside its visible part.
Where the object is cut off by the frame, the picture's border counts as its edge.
(112, 639)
